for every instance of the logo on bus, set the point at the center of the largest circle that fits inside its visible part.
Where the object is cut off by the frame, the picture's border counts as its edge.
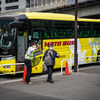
(63, 43)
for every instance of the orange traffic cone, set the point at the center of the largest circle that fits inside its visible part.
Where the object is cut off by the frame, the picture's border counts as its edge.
(24, 74)
(66, 69)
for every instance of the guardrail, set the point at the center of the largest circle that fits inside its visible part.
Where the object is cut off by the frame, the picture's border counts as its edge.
(70, 62)
(10, 65)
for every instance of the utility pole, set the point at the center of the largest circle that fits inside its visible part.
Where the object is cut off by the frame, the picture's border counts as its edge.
(75, 45)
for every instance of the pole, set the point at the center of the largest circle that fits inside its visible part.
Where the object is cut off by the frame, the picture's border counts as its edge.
(75, 45)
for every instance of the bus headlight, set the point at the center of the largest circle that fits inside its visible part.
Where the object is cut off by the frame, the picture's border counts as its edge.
(7, 66)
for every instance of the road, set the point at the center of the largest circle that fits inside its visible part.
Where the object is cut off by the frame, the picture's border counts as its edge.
(83, 85)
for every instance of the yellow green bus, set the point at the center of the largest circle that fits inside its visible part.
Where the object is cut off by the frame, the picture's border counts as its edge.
(17, 31)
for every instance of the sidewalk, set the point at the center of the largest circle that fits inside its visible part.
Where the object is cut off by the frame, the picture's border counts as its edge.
(83, 85)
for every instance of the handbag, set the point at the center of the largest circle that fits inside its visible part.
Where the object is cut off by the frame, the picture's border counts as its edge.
(48, 60)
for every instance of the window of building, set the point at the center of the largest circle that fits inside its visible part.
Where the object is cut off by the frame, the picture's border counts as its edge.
(10, 1)
(12, 7)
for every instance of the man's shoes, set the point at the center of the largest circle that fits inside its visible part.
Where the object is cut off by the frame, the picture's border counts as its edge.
(48, 81)
(51, 81)
(30, 83)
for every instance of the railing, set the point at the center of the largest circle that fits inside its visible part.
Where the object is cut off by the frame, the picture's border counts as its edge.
(3, 80)
(70, 62)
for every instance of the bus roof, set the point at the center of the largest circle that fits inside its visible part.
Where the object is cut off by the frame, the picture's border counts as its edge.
(56, 16)
(45, 16)
(88, 20)
(50, 16)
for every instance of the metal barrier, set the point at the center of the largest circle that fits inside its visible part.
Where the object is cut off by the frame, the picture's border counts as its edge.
(70, 62)
(11, 72)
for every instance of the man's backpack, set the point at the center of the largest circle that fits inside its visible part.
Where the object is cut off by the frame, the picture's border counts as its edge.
(48, 60)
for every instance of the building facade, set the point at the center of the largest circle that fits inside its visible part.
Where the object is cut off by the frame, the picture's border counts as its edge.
(12, 5)
(85, 7)
(35, 5)
(0, 6)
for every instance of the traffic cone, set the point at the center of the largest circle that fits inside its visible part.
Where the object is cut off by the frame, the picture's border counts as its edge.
(67, 70)
(24, 74)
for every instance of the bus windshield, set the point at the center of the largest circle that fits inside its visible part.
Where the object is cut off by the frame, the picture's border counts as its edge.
(4, 39)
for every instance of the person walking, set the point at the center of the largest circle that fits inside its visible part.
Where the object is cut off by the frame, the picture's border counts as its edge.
(28, 59)
(52, 54)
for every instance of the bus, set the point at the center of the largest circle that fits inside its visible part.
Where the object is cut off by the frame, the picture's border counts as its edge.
(18, 30)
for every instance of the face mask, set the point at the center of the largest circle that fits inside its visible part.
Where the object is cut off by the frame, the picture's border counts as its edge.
(34, 46)
(51, 48)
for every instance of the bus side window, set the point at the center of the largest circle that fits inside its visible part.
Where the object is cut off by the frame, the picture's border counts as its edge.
(36, 35)
(79, 34)
(61, 35)
(98, 33)
(45, 35)
(96, 29)
(70, 32)
(64, 34)
(56, 35)
(64, 29)
(94, 33)
(85, 29)
(86, 34)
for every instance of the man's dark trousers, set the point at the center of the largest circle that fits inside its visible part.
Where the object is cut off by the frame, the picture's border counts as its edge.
(29, 69)
(50, 71)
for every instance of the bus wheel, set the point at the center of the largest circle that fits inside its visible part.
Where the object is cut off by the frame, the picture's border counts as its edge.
(44, 68)
(98, 58)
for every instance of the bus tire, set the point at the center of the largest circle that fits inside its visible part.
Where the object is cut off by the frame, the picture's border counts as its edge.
(98, 58)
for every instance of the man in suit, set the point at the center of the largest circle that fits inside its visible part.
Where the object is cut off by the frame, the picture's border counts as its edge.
(52, 54)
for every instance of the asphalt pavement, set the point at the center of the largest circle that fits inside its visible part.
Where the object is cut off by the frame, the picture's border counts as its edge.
(83, 85)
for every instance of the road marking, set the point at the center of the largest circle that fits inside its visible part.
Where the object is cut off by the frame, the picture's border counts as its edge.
(38, 77)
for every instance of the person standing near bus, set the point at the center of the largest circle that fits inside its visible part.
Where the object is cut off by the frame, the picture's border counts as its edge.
(52, 54)
(28, 59)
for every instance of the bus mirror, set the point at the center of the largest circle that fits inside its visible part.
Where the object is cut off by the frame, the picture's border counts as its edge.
(10, 37)
(12, 25)
(15, 24)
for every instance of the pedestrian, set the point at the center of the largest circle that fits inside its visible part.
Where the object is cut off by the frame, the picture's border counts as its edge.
(52, 54)
(28, 59)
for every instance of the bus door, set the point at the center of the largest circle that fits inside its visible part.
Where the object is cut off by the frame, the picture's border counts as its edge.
(37, 37)
(21, 44)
